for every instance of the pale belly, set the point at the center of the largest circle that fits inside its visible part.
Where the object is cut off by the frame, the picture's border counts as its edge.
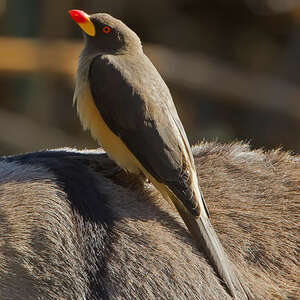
(91, 119)
(115, 148)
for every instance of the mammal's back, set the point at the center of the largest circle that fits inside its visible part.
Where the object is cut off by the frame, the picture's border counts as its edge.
(72, 230)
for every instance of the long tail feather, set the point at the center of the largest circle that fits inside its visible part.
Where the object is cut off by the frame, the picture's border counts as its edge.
(206, 237)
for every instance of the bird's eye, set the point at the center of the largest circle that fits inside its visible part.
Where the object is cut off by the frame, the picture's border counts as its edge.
(106, 29)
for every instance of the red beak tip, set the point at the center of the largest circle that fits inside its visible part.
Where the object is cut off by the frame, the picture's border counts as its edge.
(78, 16)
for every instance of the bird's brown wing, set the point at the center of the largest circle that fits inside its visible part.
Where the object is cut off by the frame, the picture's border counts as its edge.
(147, 126)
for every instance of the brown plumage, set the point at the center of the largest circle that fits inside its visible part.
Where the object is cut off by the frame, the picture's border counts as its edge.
(122, 99)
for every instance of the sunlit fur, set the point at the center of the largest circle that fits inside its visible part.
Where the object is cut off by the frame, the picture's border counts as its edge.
(72, 228)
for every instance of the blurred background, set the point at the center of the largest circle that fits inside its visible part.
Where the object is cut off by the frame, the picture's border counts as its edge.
(232, 67)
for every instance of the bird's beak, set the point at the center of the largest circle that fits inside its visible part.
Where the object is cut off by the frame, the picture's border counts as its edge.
(83, 20)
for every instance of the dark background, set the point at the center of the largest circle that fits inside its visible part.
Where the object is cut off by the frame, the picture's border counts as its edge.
(232, 68)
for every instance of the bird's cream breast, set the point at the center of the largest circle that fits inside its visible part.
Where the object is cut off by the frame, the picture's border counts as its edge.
(91, 119)
(115, 148)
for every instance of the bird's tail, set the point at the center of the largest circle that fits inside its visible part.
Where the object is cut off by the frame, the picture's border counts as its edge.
(208, 242)
(206, 238)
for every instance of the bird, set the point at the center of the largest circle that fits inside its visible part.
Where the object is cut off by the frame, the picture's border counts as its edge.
(128, 108)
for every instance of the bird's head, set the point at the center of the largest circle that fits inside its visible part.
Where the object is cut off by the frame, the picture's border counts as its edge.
(106, 34)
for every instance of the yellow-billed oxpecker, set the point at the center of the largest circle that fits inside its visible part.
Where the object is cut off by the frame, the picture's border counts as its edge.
(122, 99)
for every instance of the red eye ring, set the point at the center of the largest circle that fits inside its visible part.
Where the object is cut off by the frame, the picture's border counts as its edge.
(106, 29)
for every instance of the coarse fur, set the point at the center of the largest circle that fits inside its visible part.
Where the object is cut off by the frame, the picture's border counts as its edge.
(71, 227)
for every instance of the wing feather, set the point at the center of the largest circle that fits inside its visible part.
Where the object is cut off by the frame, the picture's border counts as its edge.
(148, 126)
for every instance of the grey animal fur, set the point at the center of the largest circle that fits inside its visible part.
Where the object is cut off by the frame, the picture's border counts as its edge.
(74, 227)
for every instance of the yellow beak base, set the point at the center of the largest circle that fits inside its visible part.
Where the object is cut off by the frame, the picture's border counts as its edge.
(83, 20)
(88, 27)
